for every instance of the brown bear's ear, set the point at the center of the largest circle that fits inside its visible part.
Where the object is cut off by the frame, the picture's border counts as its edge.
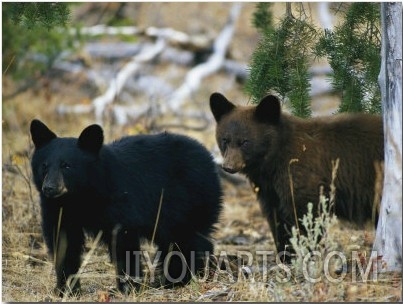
(220, 106)
(268, 110)
(91, 139)
(40, 133)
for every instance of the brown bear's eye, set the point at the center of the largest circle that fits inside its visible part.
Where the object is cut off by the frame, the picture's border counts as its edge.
(244, 143)
(224, 141)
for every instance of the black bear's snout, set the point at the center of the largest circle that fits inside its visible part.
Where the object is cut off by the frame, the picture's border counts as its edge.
(53, 191)
(53, 185)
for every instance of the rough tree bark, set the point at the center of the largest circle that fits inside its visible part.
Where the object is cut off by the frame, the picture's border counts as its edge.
(388, 241)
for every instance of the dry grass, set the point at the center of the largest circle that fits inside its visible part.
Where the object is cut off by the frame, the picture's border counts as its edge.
(28, 274)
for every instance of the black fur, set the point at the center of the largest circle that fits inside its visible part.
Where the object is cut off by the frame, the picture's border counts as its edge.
(117, 188)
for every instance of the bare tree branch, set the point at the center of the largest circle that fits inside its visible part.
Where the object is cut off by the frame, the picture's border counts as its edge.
(98, 104)
(212, 65)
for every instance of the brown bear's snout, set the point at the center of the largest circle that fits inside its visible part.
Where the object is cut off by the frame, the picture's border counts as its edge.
(230, 170)
(233, 161)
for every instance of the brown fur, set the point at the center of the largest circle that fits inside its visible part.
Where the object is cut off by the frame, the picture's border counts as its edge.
(261, 143)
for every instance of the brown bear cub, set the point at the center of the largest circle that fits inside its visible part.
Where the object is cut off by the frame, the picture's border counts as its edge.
(267, 145)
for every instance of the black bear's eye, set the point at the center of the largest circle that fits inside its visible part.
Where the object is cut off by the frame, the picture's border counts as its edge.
(44, 167)
(224, 141)
(64, 165)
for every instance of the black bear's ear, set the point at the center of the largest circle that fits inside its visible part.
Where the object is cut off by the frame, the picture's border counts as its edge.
(40, 133)
(268, 110)
(91, 139)
(220, 106)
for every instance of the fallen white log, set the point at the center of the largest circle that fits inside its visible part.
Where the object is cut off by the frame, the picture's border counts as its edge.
(180, 38)
(129, 69)
(99, 104)
(212, 65)
(172, 36)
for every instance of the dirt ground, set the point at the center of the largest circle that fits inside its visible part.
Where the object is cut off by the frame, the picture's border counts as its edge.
(27, 271)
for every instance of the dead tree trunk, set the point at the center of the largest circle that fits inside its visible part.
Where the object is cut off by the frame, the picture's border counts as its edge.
(388, 241)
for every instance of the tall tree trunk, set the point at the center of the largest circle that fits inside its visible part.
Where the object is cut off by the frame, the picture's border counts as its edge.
(388, 240)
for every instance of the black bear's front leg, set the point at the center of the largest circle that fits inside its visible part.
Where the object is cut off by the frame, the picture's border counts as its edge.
(67, 258)
(125, 254)
(64, 239)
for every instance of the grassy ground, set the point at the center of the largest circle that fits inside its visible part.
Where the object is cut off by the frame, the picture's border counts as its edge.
(28, 274)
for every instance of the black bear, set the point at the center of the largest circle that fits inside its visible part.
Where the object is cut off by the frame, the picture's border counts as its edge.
(126, 189)
(260, 142)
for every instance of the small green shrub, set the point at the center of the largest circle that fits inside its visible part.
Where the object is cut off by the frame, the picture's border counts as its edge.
(316, 240)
